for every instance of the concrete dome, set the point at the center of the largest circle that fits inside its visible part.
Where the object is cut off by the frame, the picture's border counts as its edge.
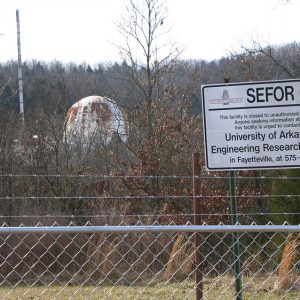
(96, 117)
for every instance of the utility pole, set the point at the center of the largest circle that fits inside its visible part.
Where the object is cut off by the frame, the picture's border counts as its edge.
(20, 79)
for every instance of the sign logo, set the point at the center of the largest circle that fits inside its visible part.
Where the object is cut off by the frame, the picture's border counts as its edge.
(225, 99)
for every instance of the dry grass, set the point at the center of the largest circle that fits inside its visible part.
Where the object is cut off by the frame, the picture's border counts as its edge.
(214, 288)
(288, 276)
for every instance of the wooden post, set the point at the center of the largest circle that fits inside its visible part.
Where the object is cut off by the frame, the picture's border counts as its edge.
(197, 221)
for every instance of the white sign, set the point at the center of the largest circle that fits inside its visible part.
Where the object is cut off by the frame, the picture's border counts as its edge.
(252, 125)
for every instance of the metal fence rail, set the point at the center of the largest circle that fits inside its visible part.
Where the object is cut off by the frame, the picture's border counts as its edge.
(147, 262)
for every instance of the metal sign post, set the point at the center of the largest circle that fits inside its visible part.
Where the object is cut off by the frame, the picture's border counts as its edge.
(234, 220)
(235, 237)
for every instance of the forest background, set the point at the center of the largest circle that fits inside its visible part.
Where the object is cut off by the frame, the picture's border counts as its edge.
(161, 95)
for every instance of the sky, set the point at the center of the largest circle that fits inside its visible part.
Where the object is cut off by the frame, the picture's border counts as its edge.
(85, 31)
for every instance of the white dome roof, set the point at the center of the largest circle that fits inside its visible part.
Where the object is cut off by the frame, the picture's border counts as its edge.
(96, 117)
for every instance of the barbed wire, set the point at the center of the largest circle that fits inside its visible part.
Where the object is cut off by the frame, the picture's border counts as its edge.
(147, 215)
(144, 197)
(147, 176)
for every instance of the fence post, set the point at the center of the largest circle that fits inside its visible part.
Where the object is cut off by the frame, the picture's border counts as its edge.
(235, 238)
(197, 221)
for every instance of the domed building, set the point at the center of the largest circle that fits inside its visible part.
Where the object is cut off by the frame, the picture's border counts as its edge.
(96, 118)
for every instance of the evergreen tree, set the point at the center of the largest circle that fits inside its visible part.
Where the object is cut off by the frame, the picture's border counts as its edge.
(285, 202)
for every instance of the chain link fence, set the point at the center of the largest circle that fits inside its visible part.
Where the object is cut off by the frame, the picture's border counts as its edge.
(147, 261)
(133, 237)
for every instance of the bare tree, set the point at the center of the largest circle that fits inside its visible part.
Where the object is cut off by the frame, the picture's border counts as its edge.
(161, 128)
(146, 49)
(279, 57)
